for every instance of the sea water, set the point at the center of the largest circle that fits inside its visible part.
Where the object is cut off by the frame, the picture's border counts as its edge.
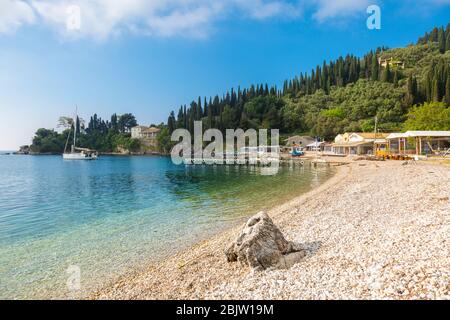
(96, 220)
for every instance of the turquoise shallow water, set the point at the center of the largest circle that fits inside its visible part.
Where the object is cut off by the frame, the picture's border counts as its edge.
(118, 213)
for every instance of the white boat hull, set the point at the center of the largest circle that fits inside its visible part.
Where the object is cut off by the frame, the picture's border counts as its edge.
(79, 156)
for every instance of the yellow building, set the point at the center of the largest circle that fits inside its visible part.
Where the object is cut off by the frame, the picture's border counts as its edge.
(392, 63)
(358, 143)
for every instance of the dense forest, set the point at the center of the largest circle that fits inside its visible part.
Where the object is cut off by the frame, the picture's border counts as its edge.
(342, 95)
(338, 96)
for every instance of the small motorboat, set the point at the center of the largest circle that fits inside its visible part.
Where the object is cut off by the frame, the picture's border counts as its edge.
(297, 152)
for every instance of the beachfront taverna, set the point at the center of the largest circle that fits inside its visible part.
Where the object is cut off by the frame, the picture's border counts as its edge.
(358, 143)
(420, 143)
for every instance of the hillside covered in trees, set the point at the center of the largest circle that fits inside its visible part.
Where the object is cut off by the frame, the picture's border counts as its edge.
(338, 96)
(403, 88)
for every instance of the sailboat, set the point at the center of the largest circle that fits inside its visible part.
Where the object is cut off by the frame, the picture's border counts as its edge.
(75, 152)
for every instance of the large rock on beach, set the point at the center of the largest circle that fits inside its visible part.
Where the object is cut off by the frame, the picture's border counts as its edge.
(261, 245)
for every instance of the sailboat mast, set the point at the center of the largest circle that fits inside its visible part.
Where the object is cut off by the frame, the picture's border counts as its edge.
(75, 128)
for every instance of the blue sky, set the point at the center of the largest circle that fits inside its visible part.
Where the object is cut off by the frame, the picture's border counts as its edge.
(150, 56)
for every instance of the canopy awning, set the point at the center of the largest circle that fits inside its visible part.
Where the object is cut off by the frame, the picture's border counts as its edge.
(354, 144)
(431, 134)
(420, 134)
(315, 144)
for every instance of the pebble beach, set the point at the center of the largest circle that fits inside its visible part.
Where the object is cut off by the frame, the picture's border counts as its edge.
(376, 230)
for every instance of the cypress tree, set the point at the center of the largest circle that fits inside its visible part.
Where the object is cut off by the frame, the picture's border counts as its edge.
(436, 92)
(441, 40)
(78, 125)
(386, 77)
(266, 90)
(447, 91)
(395, 80)
(114, 122)
(327, 89)
(374, 68)
(434, 35)
(424, 39)
(199, 111)
(285, 86)
(205, 108)
(447, 41)
(428, 87)
(317, 78)
(180, 119)
(415, 89)
(447, 37)
(410, 95)
(191, 116)
(210, 118)
(324, 76)
(171, 122)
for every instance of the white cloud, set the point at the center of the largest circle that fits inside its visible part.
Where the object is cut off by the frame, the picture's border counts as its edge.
(327, 9)
(259, 9)
(194, 22)
(14, 14)
(101, 19)
(165, 18)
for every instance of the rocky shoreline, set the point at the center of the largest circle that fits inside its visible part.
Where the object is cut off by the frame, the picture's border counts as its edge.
(376, 230)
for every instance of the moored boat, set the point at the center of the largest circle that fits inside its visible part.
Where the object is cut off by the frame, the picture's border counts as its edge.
(83, 154)
(78, 153)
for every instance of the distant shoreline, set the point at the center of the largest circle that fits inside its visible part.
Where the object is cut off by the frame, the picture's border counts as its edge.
(100, 154)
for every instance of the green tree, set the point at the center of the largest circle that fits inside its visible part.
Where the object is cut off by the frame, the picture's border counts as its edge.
(210, 117)
(48, 141)
(114, 122)
(272, 119)
(428, 87)
(395, 80)
(386, 76)
(411, 93)
(375, 68)
(180, 118)
(429, 116)
(124, 142)
(228, 118)
(447, 91)
(103, 136)
(447, 40)
(65, 122)
(264, 109)
(434, 35)
(171, 122)
(329, 123)
(441, 40)
(126, 122)
(164, 142)
(436, 95)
